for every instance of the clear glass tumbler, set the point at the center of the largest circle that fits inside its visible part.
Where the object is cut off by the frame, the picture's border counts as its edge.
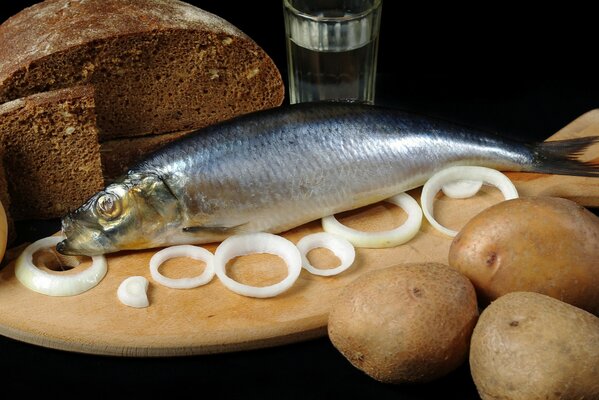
(332, 49)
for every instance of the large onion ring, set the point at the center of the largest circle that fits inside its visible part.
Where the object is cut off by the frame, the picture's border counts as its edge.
(341, 247)
(53, 284)
(132, 292)
(379, 240)
(436, 182)
(244, 244)
(185, 250)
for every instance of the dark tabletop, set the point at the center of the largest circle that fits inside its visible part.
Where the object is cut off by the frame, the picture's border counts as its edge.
(525, 83)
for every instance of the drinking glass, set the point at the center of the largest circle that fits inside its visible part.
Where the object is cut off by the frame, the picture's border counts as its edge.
(332, 49)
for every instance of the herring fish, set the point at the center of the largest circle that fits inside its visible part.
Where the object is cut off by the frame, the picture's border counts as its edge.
(274, 170)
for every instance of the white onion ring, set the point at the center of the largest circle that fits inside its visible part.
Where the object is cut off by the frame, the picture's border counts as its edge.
(434, 184)
(244, 244)
(383, 239)
(132, 292)
(53, 284)
(462, 188)
(341, 247)
(186, 250)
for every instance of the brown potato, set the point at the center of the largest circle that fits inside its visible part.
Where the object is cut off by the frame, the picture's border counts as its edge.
(530, 346)
(538, 244)
(407, 323)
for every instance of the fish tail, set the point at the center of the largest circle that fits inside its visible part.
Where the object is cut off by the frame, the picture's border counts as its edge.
(561, 157)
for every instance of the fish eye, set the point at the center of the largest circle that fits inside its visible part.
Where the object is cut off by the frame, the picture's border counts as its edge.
(108, 206)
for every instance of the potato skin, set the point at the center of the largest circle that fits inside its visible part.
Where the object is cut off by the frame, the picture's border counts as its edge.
(546, 245)
(531, 346)
(406, 323)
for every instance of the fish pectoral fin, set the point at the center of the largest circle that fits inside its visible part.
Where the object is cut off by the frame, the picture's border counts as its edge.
(220, 230)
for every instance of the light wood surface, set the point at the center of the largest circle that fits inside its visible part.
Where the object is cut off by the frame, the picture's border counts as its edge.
(212, 319)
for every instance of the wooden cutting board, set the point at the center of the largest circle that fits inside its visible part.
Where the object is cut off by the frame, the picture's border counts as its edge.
(212, 319)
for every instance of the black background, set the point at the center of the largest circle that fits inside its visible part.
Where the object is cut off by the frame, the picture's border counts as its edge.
(524, 73)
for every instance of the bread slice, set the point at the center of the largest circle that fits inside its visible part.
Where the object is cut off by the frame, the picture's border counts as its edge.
(157, 65)
(52, 156)
(118, 155)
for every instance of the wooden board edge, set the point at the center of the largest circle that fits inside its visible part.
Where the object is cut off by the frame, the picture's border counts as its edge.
(56, 343)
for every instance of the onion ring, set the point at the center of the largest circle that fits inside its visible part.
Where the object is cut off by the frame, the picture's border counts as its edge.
(132, 292)
(462, 188)
(434, 184)
(244, 244)
(341, 247)
(383, 239)
(185, 250)
(52, 284)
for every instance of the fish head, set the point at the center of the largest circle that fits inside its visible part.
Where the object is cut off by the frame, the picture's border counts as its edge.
(128, 214)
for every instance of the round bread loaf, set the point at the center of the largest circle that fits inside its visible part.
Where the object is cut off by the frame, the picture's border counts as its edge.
(156, 65)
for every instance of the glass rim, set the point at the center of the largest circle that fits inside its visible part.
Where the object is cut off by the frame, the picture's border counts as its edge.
(287, 4)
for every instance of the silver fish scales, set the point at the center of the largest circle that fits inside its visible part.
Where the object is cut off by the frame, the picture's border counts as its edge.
(278, 169)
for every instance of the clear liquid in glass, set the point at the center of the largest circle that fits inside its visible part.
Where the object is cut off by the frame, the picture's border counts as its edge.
(332, 58)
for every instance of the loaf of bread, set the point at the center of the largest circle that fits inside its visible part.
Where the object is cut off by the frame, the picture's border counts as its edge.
(89, 87)
(118, 155)
(52, 156)
(157, 65)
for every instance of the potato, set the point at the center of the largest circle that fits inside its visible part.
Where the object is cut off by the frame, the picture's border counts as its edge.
(530, 346)
(406, 323)
(538, 244)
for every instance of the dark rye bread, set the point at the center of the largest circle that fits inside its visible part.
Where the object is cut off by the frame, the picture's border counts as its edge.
(157, 65)
(52, 156)
(118, 155)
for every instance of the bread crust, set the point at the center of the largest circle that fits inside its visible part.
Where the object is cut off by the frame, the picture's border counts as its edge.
(157, 65)
(58, 25)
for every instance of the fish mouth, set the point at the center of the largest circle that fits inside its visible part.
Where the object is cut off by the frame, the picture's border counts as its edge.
(64, 248)
(81, 239)
(71, 248)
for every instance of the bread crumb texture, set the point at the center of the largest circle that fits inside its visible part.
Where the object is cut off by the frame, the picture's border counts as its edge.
(156, 65)
(51, 152)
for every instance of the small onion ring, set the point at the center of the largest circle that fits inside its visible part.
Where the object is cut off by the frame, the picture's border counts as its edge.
(249, 243)
(462, 188)
(185, 250)
(132, 292)
(52, 284)
(434, 184)
(341, 247)
(383, 239)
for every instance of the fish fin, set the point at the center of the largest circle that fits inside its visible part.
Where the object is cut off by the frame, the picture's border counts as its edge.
(561, 157)
(220, 230)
